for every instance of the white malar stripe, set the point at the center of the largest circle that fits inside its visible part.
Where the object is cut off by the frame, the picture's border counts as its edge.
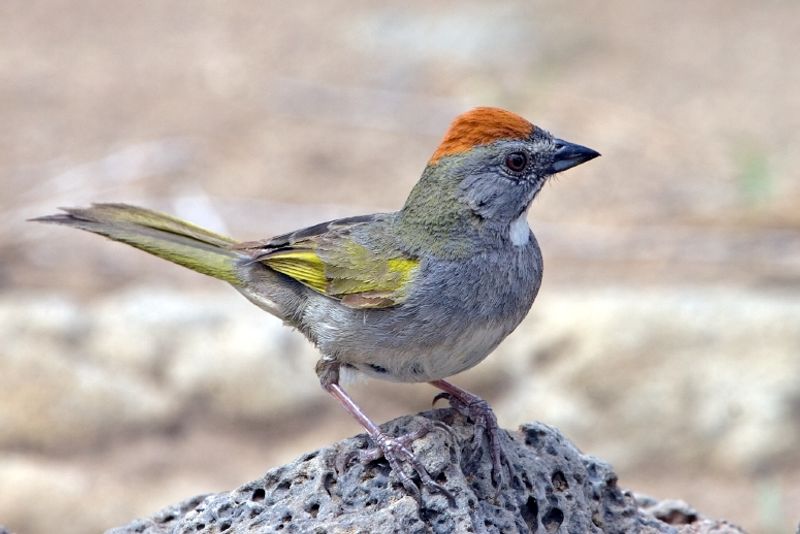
(518, 231)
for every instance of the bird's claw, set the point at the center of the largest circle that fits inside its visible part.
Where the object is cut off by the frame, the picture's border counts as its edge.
(440, 396)
(398, 451)
(479, 411)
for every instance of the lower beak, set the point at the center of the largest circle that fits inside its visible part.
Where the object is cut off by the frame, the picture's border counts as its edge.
(569, 155)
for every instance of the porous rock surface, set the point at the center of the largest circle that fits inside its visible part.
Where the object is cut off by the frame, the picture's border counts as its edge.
(552, 488)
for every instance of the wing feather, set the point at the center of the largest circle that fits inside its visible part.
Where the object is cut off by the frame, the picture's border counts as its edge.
(327, 259)
(302, 265)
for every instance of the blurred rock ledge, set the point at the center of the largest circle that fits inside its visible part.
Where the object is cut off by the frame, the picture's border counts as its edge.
(550, 487)
(690, 375)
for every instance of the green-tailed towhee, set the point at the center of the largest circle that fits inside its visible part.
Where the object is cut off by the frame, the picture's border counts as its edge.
(416, 295)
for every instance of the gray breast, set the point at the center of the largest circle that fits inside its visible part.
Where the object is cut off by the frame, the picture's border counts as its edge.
(457, 313)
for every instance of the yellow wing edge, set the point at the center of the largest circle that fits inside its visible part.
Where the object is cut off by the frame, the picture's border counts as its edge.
(302, 265)
(308, 268)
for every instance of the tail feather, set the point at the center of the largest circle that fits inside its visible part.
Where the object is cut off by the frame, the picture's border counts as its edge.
(159, 234)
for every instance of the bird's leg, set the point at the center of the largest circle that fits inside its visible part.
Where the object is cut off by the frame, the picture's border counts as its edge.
(477, 409)
(396, 451)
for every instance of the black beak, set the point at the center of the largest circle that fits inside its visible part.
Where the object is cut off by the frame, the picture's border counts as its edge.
(569, 155)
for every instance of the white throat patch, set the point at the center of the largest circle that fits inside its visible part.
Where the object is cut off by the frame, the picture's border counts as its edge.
(518, 231)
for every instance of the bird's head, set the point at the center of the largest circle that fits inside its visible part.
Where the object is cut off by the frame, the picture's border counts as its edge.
(490, 164)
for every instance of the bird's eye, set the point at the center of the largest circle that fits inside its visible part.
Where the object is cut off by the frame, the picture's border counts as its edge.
(517, 161)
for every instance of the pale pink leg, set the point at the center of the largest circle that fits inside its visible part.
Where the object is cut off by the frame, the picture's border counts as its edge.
(396, 450)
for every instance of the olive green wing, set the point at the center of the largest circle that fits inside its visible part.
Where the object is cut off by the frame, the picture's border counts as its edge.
(328, 259)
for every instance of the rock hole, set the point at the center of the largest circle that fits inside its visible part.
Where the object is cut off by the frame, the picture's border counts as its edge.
(678, 517)
(379, 465)
(527, 481)
(309, 456)
(559, 481)
(533, 437)
(284, 485)
(426, 514)
(328, 482)
(258, 495)
(224, 526)
(441, 478)
(167, 518)
(530, 513)
(552, 520)
(312, 509)
(200, 526)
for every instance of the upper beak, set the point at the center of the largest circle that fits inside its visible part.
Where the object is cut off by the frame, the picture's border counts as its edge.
(569, 155)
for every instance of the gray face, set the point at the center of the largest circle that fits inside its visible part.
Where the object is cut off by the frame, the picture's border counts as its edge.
(501, 179)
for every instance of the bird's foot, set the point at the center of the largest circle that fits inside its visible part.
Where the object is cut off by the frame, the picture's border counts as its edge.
(479, 411)
(398, 452)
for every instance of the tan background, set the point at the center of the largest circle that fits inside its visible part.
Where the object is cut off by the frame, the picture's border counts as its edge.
(666, 338)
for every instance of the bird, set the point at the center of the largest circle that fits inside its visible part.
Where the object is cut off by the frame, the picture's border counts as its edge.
(416, 295)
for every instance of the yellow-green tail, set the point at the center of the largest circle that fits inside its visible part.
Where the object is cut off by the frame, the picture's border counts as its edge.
(157, 233)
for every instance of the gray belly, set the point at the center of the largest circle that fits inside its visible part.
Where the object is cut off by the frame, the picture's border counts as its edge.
(456, 315)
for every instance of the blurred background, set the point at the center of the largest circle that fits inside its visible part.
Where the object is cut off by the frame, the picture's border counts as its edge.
(666, 337)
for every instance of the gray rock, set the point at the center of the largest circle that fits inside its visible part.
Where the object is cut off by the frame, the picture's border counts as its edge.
(552, 488)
